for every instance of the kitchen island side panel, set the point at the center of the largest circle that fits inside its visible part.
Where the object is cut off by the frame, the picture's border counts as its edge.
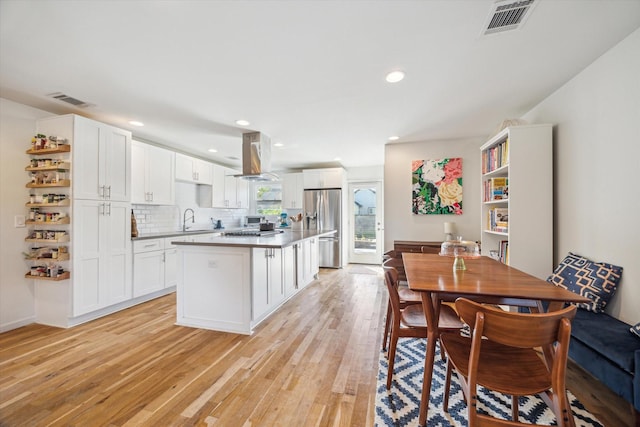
(214, 288)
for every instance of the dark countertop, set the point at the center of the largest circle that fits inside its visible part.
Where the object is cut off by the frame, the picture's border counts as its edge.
(287, 238)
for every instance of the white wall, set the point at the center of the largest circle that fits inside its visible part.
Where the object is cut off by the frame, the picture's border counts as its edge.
(597, 167)
(17, 126)
(399, 222)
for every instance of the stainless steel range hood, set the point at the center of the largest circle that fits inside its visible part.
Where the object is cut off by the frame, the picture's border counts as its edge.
(256, 157)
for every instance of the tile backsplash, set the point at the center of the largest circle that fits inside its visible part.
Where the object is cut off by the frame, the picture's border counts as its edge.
(153, 219)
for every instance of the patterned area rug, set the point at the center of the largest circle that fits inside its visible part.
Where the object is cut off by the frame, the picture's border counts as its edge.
(399, 406)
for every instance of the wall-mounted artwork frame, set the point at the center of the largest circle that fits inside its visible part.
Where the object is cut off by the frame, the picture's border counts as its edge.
(437, 186)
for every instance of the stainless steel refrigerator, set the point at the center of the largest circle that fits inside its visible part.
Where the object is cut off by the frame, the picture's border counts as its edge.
(323, 211)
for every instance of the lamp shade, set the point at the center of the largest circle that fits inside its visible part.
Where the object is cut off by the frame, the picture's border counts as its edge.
(449, 227)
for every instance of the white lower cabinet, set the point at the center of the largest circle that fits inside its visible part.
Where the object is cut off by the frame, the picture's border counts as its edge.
(289, 269)
(267, 281)
(307, 262)
(155, 266)
(102, 254)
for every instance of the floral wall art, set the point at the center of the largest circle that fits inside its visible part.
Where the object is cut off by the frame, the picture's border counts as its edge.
(437, 186)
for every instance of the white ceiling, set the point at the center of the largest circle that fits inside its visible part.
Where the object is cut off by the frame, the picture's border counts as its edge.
(310, 74)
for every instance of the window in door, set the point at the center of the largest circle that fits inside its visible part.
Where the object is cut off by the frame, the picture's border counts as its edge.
(365, 226)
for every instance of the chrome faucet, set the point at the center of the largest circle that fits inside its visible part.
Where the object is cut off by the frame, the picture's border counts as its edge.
(184, 218)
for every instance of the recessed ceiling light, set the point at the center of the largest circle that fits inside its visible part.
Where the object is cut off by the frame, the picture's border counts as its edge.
(136, 123)
(337, 159)
(278, 144)
(394, 138)
(395, 76)
(242, 122)
(212, 150)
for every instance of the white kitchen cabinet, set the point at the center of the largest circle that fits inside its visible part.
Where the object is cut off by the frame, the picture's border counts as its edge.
(289, 269)
(148, 266)
(324, 178)
(307, 264)
(153, 175)
(102, 254)
(155, 265)
(218, 199)
(227, 191)
(170, 264)
(267, 282)
(236, 191)
(101, 161)
(292, 190)
(191, 169)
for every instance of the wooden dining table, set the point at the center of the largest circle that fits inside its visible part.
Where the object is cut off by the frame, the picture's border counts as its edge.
(484, 280)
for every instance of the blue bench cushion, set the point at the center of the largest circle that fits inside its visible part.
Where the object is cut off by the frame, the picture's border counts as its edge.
(607, 336)
(595, 280)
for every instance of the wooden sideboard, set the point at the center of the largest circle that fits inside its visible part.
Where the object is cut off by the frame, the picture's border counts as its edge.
(400, 246)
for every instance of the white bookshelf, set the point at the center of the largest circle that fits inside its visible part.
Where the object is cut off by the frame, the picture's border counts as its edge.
(528, 166)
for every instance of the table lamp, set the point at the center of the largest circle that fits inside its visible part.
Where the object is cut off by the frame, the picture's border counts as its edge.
(459, 250)
(449, 229)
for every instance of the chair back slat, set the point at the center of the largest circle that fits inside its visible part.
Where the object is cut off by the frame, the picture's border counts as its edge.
(391, 280)
(515, 329)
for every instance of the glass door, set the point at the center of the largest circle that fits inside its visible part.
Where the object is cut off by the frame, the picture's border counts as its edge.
(366, 233)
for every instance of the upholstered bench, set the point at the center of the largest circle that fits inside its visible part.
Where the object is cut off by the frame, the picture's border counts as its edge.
(604, 346)
(600, 343)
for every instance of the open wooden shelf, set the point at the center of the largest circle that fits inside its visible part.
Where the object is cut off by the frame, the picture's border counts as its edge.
(65, 202)
(60, 149)
(63, 276)
(61, 240)
(65, 220)
(60, 166)
(61, 257)
(61, 183)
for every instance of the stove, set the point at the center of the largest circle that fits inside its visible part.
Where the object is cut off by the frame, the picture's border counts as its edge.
(252, 233)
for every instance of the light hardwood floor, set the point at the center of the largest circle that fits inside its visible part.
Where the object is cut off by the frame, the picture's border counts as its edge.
(313, 363)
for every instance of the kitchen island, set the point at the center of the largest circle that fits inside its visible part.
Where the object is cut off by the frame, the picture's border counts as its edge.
(232, 283)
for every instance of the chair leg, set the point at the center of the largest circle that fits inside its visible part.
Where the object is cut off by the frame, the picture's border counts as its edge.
(514, 408)
(447, 387)
(386, 326)
(392, 355)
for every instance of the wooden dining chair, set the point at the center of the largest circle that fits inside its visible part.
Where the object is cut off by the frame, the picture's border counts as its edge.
(407, 297)
(501, 355)
(410, 321)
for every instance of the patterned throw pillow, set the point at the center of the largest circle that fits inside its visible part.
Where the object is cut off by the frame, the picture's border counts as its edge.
(635, 329)
(594, 280)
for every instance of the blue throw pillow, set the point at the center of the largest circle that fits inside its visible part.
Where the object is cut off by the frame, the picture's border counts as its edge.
(595, 280)
(635, 329)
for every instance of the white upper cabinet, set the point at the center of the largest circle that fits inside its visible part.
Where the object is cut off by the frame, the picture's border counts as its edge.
(153, 174)
(292, 190)
(324, 178)
(191, 169)
(227, 191)
(102, 160)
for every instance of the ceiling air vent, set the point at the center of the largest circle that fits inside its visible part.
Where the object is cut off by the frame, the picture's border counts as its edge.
(506, 15)
(69, 100)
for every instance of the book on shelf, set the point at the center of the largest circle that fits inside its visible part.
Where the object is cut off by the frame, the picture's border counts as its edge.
(496, 189)
(503, 252)
(498, 220)
(495, 157)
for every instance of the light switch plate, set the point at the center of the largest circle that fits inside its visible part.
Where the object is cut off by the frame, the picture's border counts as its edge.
(18, 221)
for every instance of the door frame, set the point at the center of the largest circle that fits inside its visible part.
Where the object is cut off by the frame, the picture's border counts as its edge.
(373, 257)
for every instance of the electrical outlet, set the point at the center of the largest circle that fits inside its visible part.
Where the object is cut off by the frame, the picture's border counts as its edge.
(18, 221)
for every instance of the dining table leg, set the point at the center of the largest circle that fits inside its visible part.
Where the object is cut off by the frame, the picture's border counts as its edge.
(430, 305)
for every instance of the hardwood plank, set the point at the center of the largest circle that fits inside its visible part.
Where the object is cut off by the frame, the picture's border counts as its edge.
(314, 363)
